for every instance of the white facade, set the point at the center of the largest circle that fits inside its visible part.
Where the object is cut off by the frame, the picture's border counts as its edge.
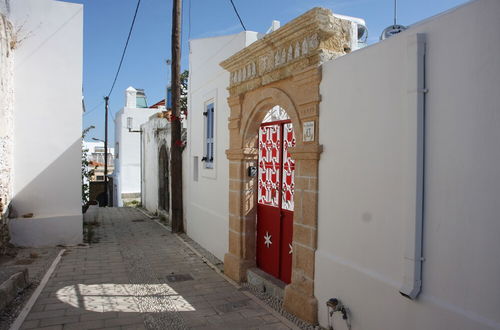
(206, 189)
(368, 187)
(98, 149)
(155, 134)
(127, 172)
(47, 123)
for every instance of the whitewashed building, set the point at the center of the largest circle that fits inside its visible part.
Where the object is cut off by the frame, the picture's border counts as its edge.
(127, 171)
(94, 152)
(205, 162)
(41, 121)
(393, 155)
(155, 191)
(409, 178)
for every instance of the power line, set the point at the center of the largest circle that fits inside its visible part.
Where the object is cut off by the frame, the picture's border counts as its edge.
(94, 108)
(125, 48)
(236, 11)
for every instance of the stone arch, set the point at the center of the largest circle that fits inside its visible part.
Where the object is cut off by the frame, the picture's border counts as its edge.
(292, 82)
(257, 105)
(299, 96)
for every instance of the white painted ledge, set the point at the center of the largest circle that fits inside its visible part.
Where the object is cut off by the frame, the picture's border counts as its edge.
(47, 231)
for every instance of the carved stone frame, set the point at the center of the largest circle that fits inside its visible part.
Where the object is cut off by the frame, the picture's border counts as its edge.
(291, 81)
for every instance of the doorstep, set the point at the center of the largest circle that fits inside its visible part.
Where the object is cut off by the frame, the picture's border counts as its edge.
(265, 283)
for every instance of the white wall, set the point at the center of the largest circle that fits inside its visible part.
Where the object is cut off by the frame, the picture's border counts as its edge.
(48, 118)
(156, 132)
(206, 201)
(128, 164)
(365, 189)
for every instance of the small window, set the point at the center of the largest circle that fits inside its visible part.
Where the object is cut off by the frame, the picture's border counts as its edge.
(195, 168)
(100, 178)
(208, 157)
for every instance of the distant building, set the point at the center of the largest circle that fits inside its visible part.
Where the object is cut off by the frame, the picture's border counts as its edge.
(95, 156)
(155, 164)
(127, 170)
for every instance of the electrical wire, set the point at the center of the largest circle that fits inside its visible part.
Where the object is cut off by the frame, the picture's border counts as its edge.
(125, 48)
(236, 11)
(94, 108)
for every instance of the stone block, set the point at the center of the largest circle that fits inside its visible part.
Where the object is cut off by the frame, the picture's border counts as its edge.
(12, 282)
(302, 235)
(300, 304)
(303, 260)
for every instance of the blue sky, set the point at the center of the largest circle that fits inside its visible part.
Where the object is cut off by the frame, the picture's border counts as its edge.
(106, 25)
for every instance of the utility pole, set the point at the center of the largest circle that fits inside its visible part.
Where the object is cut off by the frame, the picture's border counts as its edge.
(176, 138)
(106, 99)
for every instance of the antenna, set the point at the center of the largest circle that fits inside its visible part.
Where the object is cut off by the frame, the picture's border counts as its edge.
(395, 28)
(395, 10)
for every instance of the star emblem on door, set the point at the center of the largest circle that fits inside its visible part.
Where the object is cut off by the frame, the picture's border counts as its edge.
(267, 239)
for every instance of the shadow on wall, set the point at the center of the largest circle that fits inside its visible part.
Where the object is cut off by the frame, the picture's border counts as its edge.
(55, 191)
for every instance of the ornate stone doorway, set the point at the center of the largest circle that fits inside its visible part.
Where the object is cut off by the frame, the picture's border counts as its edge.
(281, 69)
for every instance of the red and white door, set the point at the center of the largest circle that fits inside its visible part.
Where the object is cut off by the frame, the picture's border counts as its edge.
(275, 199)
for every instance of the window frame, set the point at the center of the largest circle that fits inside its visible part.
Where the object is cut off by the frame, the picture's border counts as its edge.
(209, 170)
(209, 135)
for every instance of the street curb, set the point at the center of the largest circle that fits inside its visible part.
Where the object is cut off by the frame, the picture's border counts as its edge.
(27, 308)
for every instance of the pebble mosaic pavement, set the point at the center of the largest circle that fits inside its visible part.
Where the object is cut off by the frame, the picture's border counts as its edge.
(122, 282)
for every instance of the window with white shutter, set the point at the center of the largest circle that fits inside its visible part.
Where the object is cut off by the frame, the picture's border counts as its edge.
(208, 157)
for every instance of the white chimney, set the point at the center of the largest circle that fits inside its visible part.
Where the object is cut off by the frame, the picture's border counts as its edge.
(131, 97)
(274, 26)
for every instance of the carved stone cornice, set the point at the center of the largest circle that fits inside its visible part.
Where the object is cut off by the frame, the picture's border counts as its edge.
(308, 40)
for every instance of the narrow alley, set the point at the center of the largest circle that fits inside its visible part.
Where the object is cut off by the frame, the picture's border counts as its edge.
(140, 276)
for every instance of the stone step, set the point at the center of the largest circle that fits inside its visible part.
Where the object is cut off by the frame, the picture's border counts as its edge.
(12, 282)
(265, 283)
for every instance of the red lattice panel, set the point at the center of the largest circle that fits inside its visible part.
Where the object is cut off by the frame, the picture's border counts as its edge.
(269, 165)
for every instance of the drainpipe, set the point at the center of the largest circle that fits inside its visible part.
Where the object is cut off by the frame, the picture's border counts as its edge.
(412, 280)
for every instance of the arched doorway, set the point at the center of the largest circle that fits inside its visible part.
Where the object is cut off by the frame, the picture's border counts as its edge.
(275, 189)
(163, 180)
(283, 68)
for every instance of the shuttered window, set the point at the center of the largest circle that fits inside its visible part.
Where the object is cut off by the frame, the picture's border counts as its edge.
(209, 114)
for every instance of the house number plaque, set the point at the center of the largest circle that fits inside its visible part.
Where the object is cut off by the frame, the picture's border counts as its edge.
(308, 129)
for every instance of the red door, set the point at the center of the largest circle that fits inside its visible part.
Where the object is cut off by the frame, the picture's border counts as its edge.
(275, 199)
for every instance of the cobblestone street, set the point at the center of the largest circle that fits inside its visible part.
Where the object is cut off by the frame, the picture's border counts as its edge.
(140, 276)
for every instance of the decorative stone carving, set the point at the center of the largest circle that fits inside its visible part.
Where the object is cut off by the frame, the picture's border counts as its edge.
(311, 35)
(277, 59)
(297, 50)
(305, 47)
(290, 54)
(288, 58)
(313, 41)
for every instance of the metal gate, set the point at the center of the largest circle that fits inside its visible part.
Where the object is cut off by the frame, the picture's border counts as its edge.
(275, 199)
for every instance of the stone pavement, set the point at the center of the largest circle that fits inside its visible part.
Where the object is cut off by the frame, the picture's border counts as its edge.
(139, 276)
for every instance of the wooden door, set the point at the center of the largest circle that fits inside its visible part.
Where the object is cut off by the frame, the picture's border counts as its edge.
(163, 180)
(275, 199)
